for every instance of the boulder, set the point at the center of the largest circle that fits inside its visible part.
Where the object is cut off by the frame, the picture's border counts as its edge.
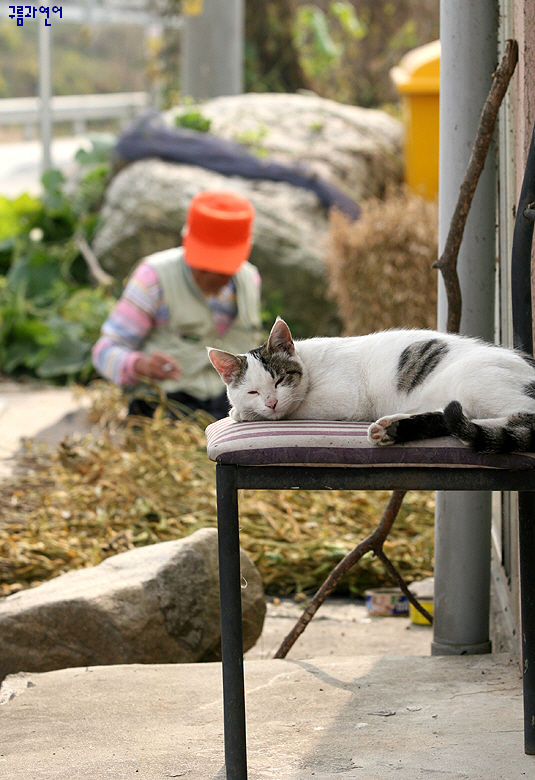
(358, 150)
(155, 604)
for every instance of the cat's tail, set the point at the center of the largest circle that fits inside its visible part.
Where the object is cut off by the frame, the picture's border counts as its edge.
(513, 434)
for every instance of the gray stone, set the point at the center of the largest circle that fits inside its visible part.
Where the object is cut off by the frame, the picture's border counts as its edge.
(358, 150)
(155, 604)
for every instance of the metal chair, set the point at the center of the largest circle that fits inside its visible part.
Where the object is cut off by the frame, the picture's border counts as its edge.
(335, 455)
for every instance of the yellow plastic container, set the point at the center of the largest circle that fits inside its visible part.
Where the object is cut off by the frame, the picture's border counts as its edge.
(424, 590)
(416, 617)
(417, 79)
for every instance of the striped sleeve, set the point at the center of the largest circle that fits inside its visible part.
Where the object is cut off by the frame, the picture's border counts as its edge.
(140, 309)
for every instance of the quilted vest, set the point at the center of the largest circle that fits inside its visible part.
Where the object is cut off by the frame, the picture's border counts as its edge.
(191, 324)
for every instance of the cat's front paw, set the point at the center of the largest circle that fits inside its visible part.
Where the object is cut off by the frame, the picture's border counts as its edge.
(235, 415)
(383, 431)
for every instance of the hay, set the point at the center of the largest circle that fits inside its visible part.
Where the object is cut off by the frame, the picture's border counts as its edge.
(380, 267)
(91, 498)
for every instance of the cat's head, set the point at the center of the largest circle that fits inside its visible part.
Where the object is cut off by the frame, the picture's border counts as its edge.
(268, 382)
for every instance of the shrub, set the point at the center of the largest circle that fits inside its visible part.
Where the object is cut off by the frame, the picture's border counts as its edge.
(50, 312)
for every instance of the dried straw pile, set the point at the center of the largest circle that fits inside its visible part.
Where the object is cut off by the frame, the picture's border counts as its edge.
(380, 267)
(89, 499)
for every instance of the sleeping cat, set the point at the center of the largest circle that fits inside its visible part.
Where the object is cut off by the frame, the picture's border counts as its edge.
(416, 384)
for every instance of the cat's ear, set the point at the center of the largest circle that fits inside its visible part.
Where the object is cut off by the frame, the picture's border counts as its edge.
(228, 366)
(280, 338)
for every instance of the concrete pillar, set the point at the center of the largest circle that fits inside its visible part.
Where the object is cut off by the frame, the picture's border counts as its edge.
(468, 33)
(212, 49)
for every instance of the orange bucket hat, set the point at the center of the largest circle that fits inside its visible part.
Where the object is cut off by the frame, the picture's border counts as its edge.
(218, 232)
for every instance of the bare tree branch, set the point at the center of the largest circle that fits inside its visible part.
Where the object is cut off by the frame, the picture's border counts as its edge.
(373, 542)
(447, 263)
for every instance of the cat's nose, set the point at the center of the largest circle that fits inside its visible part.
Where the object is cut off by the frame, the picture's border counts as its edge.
(271, 404)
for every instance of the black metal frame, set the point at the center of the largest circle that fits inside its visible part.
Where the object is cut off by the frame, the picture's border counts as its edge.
(231, 478)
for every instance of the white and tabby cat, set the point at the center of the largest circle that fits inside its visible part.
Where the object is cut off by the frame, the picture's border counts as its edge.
(417, 384)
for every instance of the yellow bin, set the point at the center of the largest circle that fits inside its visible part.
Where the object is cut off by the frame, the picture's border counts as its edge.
(417, 617)
(424, 591)
(417, 79)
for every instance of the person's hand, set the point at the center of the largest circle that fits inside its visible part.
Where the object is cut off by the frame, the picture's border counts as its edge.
(157, 366)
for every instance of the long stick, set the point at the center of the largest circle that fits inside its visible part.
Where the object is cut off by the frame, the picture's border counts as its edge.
(373, 542)
(447, 263)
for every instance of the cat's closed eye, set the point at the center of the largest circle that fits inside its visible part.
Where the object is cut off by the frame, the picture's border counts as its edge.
(279, 380)
(252, 392)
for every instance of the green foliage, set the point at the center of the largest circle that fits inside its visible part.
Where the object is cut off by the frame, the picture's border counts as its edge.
(347, 16)
(271, 58)
(50, 315)
(339, 49)
(346, 48)
(193, 120)
(315, 37)
(253, 139)
(13, 214)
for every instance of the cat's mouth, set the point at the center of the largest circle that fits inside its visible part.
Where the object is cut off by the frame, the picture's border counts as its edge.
(269, 414)
(273, 416)
(250, 416)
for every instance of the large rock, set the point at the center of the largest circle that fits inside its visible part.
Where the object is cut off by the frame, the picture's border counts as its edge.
(155, 604)
(356, 149)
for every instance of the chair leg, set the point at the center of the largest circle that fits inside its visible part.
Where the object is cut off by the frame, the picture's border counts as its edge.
(526, 524)
(231, 623)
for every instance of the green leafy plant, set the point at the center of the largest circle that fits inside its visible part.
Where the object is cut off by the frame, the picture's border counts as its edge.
(346, 48)
(193, 120)
(48, 321)
(50, 312)
(253, 139)
(321, 42)
(15, 216)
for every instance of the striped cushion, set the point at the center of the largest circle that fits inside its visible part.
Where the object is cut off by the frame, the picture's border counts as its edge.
(313, 442)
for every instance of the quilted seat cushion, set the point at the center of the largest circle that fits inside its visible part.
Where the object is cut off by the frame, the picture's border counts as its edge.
(313, 442)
